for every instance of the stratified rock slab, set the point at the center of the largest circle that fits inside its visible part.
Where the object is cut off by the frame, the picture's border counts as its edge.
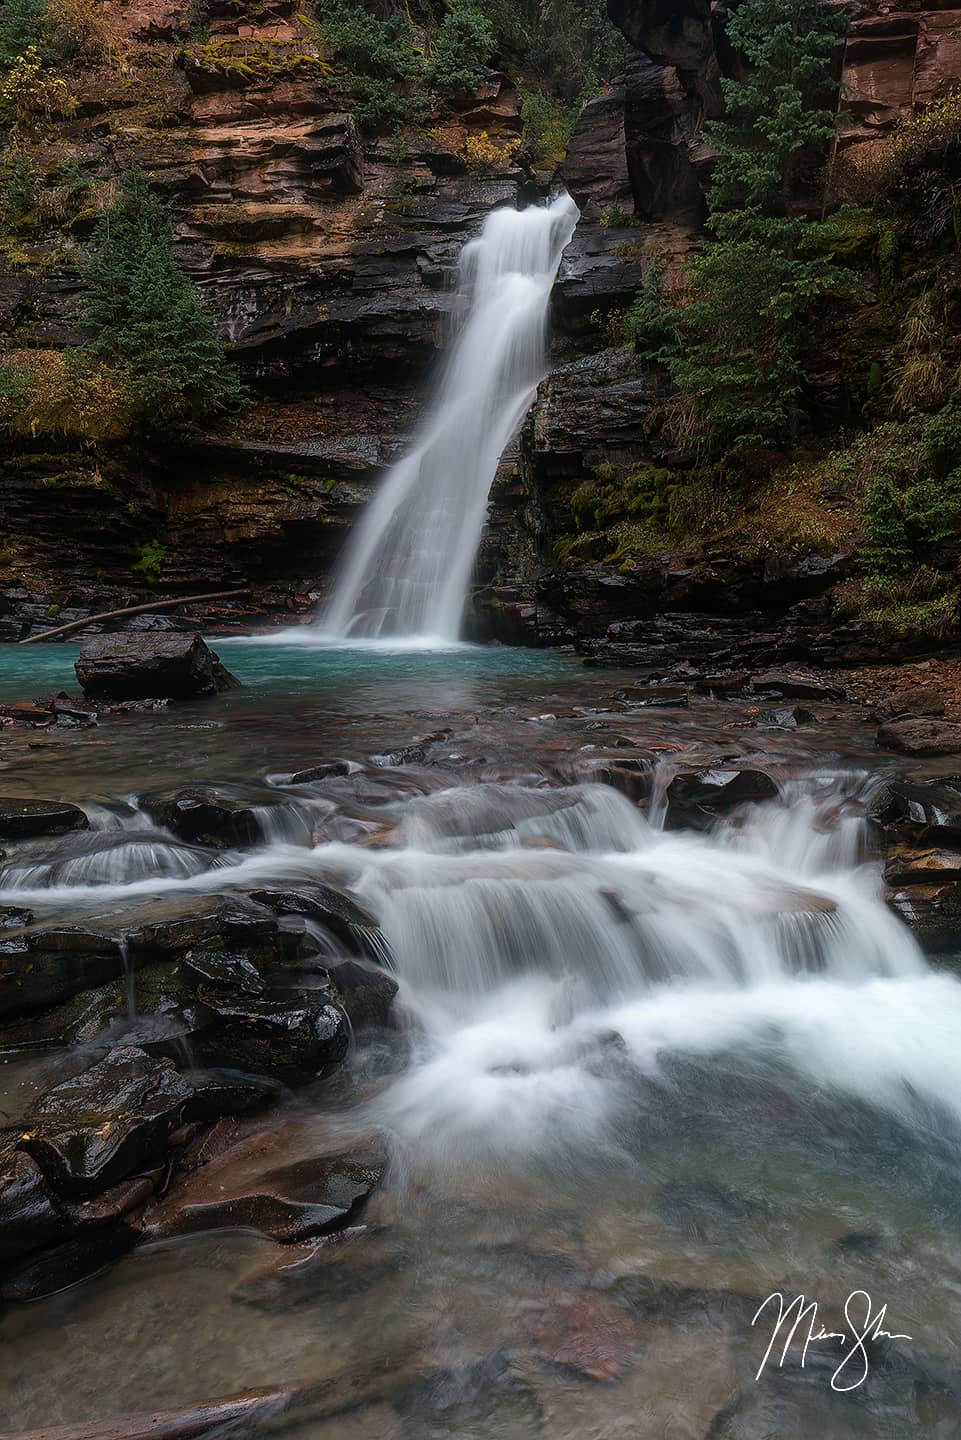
(140, 667)
(21, 819)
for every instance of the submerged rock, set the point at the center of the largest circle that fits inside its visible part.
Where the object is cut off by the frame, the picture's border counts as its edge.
(140, 667)
(21, 819)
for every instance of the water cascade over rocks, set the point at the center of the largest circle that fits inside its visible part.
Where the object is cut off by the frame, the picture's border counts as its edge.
(408, 564)
(540, 933)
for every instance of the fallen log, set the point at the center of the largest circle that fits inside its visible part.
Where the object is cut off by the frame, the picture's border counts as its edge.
(255, 1412)
(186, 1423)
(132, 610)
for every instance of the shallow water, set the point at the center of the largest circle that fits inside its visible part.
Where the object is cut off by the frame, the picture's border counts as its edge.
(648, 1079)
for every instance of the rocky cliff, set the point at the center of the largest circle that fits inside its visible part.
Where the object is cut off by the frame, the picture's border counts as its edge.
(329, 257)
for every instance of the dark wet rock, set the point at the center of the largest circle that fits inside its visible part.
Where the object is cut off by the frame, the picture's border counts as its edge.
(786, 717)
(933, 912)
(722, 682)
(337, 911)
(296, 1037)
(236, 923)
(313, 1196)
(228, 1092)
(222, 970)
(696, 794)
(911, 701)
(139, 707)
(795, 687)
(47, 967)
(139, 667)
(330, 769)
(924, 811)
(30, 1214)
(71, 716)
(364, 991)
(20, 819)
(78, 1020)
(659, 697)
(13, 917)
(921, 736)
(48, 1271)
(204, 815)
(97, 1128)
(330, 1267)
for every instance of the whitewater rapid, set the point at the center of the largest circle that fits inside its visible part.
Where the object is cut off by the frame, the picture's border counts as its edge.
(556, 951)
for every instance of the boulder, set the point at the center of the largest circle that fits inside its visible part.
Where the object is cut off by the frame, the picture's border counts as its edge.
(921, 736)
(338, 912)
(293, 1036)
(930, 811)
(140, 667)
(205, 815)
(29, 1211)
(97, 1128)
(923, 700)
(49, 966)
(785, 717)
(21, 819)
(365, 992)
(696, 795)
(933, 912)
(795, 687)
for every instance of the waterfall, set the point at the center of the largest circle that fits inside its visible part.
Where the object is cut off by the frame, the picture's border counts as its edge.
(408, 565)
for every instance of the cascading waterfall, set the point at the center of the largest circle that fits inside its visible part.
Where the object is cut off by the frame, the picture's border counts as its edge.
(557, 947)
(408, 566)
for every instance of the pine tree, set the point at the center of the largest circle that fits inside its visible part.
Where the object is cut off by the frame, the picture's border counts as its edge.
(142, 314)
(741, 358)
(21, 25)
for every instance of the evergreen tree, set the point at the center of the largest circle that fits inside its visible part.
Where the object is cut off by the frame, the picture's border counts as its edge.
(145, 316)
(740, 361)
(21, 25)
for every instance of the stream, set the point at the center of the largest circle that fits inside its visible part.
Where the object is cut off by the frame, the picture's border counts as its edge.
(646, 1068)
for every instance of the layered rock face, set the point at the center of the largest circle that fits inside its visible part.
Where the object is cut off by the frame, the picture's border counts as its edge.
(642, 144)
(330, 258)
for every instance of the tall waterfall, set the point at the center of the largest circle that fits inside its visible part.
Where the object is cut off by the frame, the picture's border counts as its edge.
(408, 565)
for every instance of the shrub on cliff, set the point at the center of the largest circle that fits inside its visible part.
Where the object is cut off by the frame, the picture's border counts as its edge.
(141, 314)
(464, 43)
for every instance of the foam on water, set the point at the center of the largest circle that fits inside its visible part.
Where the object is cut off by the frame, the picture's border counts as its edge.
(556, 948)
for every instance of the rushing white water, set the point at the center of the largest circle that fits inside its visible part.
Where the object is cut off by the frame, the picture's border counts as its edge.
(408, 565)
(558, 949)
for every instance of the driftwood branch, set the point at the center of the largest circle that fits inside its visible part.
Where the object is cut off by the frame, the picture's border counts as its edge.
(131, 610)
(256, 1412)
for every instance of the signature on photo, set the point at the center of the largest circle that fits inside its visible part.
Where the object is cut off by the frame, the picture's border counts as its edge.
(798, 1319)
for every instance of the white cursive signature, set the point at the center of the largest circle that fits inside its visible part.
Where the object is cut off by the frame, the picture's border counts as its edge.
(861, 1329)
